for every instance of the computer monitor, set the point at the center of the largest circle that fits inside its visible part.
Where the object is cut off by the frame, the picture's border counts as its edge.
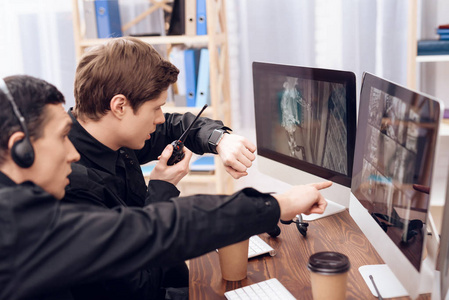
(305, 127)
(396, 139)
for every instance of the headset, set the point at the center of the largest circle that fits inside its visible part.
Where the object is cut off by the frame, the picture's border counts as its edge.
(300, 225)
(22, 151)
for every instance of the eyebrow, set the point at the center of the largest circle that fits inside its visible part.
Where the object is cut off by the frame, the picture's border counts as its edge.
(67, 126)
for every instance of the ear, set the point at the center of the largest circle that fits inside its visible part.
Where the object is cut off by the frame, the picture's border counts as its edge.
(119, 105)
(15, 137)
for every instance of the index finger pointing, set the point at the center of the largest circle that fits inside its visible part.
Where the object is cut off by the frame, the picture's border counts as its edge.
(321, 185)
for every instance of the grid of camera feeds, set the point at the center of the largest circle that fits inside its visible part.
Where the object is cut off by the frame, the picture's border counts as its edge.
(306, 120)
(396, 167)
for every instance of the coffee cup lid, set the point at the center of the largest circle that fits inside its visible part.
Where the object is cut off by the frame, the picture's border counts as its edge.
(328, 263)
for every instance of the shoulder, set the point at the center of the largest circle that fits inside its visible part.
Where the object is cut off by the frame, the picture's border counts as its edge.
(83, 177)
(23, 205)
(86, 186)
(23, 192)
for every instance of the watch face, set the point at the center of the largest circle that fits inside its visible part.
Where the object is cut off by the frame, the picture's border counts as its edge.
(215, 137)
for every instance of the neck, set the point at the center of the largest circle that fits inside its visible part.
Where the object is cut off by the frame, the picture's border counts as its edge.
(14, 172)
(103, 130)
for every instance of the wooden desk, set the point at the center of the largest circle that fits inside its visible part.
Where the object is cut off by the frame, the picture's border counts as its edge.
(334, 233)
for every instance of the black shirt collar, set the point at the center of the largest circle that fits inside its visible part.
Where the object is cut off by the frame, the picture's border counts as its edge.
(90, 148)
(6, 181)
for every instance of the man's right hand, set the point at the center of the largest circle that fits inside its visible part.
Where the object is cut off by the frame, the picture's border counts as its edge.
(172, 174)
(302, 199)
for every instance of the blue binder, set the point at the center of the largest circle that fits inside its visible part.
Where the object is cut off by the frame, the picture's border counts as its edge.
(191, 58)
(203, 87)
(201, 17)
(108, 19)
(203, 164)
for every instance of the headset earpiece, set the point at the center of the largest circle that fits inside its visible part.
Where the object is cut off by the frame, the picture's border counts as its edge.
(22, 153)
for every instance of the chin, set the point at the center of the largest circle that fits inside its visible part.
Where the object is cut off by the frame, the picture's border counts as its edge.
(59, 195)
(137, 147)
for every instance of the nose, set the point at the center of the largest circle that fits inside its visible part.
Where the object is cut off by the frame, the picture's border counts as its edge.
(160, 119)
(72, 153)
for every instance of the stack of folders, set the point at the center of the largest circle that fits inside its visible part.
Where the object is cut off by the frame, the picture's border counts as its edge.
(192, 87)
(188, 17)
(102, 18)
(443, 32)
(436, 47)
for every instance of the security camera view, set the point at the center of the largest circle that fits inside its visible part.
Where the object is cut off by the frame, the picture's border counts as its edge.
(306, 120)
(393, 164)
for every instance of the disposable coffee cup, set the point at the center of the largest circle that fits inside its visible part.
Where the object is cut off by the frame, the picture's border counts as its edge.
(329, 275)
(234, 261)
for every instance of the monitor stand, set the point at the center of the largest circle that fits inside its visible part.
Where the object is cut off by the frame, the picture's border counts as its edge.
(331, 209)
(390, 287)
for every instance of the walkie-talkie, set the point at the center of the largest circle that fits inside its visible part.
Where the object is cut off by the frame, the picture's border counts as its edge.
(178, 154)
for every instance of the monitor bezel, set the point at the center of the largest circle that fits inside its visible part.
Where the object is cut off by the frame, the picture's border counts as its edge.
(318, 74)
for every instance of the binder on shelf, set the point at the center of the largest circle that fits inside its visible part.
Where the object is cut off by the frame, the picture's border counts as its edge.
(201, 17)
(177, 20)
(443, 31)
(190, 17)
(177, 58)
(433, 47)
(108, 19)
(203, 87)
(191, 66)
(203, 164)
(90, 19)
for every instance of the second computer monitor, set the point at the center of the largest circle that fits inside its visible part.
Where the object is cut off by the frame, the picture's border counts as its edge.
(393, 165)
(305, 125)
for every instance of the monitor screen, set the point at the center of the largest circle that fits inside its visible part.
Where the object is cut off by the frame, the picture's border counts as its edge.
(306, 119)
(393, 161)
(393, 164)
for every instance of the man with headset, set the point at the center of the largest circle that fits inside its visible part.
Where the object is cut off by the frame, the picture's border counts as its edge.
(48, 246)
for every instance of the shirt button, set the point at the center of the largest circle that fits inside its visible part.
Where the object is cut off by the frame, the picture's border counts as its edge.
(267, 203)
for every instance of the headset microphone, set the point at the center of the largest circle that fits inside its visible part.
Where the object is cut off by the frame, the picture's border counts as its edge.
(22, 151)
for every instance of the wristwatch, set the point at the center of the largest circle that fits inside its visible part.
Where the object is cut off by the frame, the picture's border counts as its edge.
(215, 138)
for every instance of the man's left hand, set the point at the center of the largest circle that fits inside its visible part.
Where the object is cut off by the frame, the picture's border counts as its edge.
(236, 153)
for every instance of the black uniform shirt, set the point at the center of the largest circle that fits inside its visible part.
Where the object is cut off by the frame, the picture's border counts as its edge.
(118, 173)
(47, 246)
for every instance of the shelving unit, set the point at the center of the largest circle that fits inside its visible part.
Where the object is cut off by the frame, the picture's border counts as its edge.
(442, 156)
(216, 41)
(432, 58)
(412, 57)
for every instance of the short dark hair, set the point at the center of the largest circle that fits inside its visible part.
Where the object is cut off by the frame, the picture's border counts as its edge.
(124, 66)
(31, 96)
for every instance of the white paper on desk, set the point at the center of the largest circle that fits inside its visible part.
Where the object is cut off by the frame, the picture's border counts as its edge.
(331, 209)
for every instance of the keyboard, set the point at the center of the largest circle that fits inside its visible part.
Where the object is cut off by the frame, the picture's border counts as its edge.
(269, 289)
(257, 247)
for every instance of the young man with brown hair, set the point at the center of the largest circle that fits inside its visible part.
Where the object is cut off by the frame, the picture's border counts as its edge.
(120, 89)
(48, 246)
